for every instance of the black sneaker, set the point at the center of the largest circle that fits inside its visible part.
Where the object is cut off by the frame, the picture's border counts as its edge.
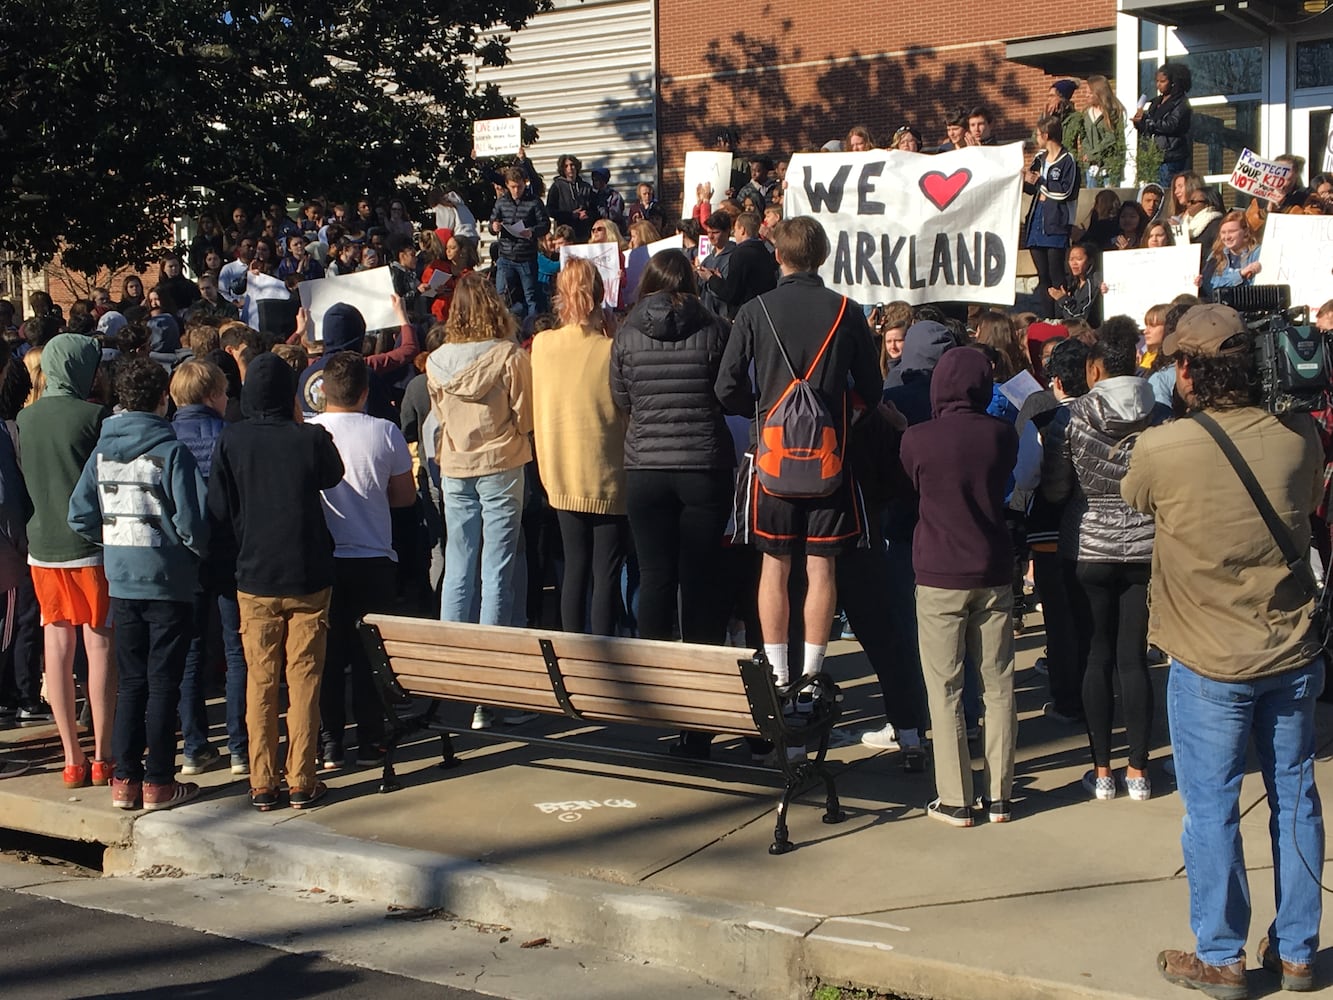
(37, 713)
(369, 756)
(8, 716)
(1000, 811)
(331, 757)
(960, 816)
(304, 798)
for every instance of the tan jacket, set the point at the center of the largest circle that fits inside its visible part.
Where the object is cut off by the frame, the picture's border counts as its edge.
(481, 394)
(1222, 601)
(579, 430)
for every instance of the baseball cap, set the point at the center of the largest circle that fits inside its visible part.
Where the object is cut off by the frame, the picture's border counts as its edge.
(601, 174)
(1206, 329)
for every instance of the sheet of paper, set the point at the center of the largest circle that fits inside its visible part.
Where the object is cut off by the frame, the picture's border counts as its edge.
(439, 279)
(1019, 388)
(371, 292)
(497, 136)
(517, 231)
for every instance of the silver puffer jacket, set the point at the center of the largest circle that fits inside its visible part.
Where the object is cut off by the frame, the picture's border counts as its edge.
(1086, 454)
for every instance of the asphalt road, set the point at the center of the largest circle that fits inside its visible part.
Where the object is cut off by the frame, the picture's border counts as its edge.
(54, 951)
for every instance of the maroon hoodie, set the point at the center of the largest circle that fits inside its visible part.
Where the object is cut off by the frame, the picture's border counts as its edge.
(959, 462)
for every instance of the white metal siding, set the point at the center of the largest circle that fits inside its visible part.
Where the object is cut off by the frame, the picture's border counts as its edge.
(583, 73)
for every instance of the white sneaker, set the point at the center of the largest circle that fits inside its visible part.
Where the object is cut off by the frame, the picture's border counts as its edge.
(483, 718)
(881, 739)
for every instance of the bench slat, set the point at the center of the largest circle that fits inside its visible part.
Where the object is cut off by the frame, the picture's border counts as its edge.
(523, 641)
(512, 663)
(494, 695)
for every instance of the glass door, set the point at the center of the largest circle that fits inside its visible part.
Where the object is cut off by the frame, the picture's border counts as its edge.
(1310, 134)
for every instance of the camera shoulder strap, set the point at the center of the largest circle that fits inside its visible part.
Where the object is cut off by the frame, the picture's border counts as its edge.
(1296, 561)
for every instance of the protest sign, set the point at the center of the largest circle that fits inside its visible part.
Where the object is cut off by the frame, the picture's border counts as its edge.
(371, 292)
(707, 177)
(1137, 280)
(1298, 251)
(261, 287)
(676, 242)
(912, 227)
(497, 136)
(606, 258)
(1258, 177)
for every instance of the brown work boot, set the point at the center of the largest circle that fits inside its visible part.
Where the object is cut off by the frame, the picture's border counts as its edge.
(1221, 982)
(1297, 978)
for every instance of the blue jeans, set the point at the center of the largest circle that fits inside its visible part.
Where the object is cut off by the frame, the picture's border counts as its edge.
(524, 273)
(193, 714)
(483, 520)
(1168, 170)
(1211, 726)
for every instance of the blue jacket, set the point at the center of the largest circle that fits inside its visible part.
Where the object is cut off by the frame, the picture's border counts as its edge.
(198, 427)
(1059, 182)
(1227, 275)
(142, 499)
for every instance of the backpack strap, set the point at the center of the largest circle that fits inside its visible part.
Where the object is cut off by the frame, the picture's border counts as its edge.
(842, 309)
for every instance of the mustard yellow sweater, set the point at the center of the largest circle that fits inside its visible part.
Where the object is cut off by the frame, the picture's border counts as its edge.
(579, 430)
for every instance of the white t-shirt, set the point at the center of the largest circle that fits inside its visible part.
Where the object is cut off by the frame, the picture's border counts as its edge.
(357, 509)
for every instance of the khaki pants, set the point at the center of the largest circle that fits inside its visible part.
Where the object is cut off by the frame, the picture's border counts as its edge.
(278, 631)
(979, 623)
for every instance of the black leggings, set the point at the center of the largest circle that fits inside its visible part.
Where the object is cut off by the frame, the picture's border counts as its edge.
(1050, 265)
(595, 549)
(1114, 613)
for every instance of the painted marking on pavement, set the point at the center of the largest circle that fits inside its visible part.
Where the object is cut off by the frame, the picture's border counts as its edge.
(852, 941)
(759, 925)
(800, 913)
(572, 812)
(870, 923)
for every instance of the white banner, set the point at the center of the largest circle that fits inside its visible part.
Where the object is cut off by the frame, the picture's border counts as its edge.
(914, 227)
(261, 287)
(707, 177)
(606, 258)
(1298, 251)
(1137, 280)
(370, 291)
(497, 136)
(1259, 177)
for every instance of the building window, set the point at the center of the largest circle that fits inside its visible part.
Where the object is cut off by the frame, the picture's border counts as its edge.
(1150, 35)
(1226, 71)
(1314, 64)
(1221, 131)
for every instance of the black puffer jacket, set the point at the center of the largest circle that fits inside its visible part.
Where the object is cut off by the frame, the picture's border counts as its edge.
(1086, 450)
(664, 362)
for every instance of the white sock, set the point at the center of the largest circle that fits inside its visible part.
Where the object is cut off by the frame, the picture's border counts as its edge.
(814, 658)
(777, 659)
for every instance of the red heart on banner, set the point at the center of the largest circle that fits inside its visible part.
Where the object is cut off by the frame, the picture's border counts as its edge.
(942, 190)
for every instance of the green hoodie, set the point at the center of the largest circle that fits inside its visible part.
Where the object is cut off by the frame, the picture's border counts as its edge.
(58, 433)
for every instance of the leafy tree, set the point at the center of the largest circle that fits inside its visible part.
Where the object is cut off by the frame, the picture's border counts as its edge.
(116, 117)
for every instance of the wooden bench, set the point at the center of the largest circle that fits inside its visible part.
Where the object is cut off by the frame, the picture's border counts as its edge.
(641, 682)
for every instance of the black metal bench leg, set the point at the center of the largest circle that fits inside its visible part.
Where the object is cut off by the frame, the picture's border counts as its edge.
(447, 758)
(781, 841)
(832, 807)
(388, 779)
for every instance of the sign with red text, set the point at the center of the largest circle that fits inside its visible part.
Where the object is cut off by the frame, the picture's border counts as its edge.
(497, 136)
(913, 227)
(1260, 178)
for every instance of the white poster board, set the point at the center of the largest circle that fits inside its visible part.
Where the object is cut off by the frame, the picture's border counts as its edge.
(1298, 251)
(606, 258)
(707, 174)
(1258, 177)
(918, 228)
(497, 136)
(261, 287)
(1137, 280)
(370, 291)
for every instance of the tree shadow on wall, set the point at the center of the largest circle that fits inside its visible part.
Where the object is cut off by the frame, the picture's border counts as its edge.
(781, 111)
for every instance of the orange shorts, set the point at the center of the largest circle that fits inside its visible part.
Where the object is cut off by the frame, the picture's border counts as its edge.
(75, 595)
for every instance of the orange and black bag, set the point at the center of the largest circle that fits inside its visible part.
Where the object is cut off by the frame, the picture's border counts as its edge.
(798, 454)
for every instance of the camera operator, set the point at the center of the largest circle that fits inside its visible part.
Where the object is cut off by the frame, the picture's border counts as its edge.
(1236, 624)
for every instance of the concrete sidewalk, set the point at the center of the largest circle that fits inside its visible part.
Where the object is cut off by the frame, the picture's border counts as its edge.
(667, 862)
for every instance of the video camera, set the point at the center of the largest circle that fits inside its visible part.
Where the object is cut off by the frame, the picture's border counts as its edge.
(1294, 360)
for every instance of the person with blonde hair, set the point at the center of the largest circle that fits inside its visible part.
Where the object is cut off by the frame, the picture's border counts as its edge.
(606, 231)
(1098, 135)
(580, 437)
(1234, 259)
(480, 387)
(858, 140)
(642, 233)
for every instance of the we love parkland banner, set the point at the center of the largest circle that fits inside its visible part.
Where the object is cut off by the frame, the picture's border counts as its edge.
(914, 227)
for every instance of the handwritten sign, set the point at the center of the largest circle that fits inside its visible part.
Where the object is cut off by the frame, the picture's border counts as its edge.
(1137, 280)
(497, 136)
(606, 258)
(1258, 177)
(911, 227)
(707, 177)
(1298, 251)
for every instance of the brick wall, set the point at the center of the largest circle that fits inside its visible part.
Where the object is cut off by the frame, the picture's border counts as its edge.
(799, 74)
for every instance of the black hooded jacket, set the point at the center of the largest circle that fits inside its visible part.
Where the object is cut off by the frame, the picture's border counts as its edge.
(267, 474)
(664, 362)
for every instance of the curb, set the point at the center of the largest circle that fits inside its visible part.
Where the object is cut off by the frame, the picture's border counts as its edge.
(755, 951)
(70, 818)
